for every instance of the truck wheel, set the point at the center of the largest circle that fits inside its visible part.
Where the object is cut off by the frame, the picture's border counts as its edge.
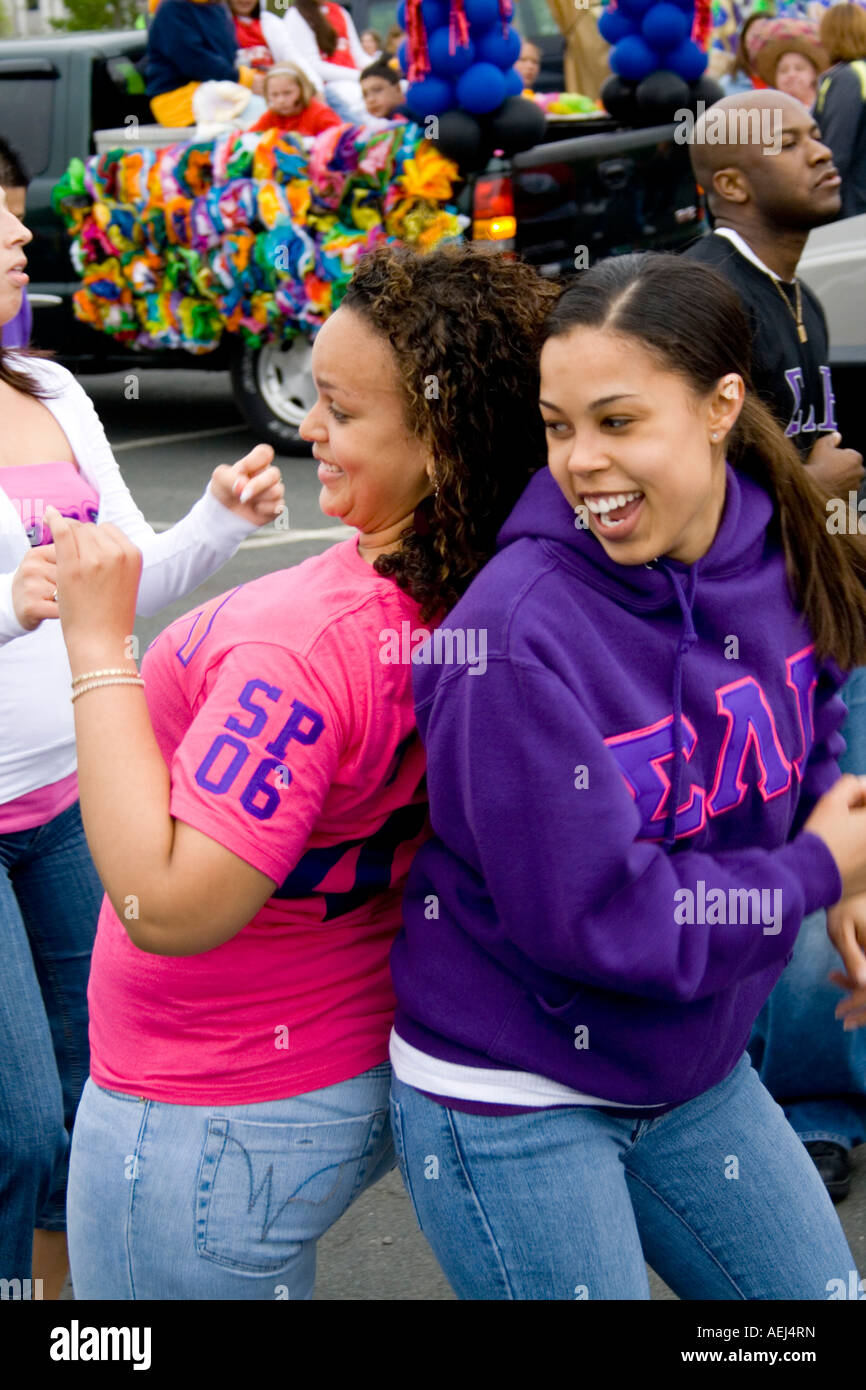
(273, 389)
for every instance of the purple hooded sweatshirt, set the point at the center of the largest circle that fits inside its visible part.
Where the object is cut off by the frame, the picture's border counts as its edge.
(562, 920)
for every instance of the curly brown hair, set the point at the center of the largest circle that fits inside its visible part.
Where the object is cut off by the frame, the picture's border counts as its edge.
(465, 326)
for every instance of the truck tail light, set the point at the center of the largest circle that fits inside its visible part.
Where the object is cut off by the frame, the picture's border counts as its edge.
(493, 211)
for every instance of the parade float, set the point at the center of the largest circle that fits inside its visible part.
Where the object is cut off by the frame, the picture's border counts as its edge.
(255, 235)
(258, 234)
(249, 239)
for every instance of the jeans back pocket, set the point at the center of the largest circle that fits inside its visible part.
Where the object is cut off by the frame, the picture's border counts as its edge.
(264, 1189)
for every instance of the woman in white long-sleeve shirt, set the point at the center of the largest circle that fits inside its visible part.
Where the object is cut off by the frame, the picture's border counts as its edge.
(263, 40)
(53, 451)
(325, 39)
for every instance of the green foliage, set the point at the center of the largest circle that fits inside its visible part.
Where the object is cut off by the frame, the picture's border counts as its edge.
(83, 15)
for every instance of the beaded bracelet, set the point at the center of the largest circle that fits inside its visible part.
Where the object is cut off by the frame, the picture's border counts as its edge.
(108, 671)
(115, 680)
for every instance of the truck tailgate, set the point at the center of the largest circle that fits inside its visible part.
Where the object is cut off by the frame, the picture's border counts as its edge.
(608, 194)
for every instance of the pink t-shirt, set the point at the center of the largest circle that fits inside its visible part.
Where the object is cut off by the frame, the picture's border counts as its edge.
(292, 743)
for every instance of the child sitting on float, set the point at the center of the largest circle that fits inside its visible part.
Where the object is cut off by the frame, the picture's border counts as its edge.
(292, 103)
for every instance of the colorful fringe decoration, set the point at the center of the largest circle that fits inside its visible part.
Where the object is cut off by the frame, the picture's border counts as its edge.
(247, 234)
(458, 25)
(419, 58)
(702, 25)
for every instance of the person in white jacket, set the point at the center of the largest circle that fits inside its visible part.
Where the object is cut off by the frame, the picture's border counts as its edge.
(263, 40)
(53, 451)
(324, 38)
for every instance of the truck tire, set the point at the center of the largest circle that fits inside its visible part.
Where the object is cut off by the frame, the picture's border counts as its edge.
(273, 389)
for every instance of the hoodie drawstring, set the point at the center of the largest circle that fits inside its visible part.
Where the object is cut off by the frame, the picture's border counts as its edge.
(688, 637)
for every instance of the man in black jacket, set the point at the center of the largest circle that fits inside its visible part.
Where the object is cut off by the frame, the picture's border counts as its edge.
(766, 188)
(768, 181)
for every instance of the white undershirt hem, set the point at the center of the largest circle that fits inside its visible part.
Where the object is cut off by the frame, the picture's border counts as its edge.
(486, 1084)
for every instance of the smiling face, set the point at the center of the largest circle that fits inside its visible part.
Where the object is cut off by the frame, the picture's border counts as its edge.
(243, 8)
(630, 441)
(796, 76)
(14, 236)
(283, 94)
(373, 471)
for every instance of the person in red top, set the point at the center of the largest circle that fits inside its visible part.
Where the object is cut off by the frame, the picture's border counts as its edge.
(292, 104)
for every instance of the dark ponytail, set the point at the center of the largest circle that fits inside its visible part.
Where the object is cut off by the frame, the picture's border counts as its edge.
(325, 33)
(690, 318)
(827, 572)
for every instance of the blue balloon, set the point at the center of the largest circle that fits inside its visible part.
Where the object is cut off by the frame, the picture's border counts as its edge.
(687, 61)
(635, 9)
(430, 97)
(445, 63)
(403, 56)
(435, 13)
(481, 89)
(482, 13)
(664, 26)
(513, 83)
(401, 15)
(633, 59)
(613, 26)
(501, 52)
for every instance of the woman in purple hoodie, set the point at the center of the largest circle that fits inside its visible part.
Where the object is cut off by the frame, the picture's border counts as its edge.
(635, 802)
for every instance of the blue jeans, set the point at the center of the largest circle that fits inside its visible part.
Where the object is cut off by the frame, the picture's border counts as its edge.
(803, 1055)
(218, 1201)
(718, 1195)
(49, 903)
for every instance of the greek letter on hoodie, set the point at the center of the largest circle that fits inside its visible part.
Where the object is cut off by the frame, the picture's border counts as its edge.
(558, 863)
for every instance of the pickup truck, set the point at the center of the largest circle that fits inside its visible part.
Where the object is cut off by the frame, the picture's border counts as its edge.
(589, 190)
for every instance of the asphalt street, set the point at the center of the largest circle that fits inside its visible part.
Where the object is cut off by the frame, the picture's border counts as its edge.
(167, 442)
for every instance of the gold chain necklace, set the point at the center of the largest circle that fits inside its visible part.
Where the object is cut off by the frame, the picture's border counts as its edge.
(797, 315)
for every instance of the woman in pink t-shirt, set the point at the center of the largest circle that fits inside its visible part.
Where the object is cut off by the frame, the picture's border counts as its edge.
(254, 811)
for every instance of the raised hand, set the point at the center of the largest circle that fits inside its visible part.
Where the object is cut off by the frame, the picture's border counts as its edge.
(251, 488)
(98, 571)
